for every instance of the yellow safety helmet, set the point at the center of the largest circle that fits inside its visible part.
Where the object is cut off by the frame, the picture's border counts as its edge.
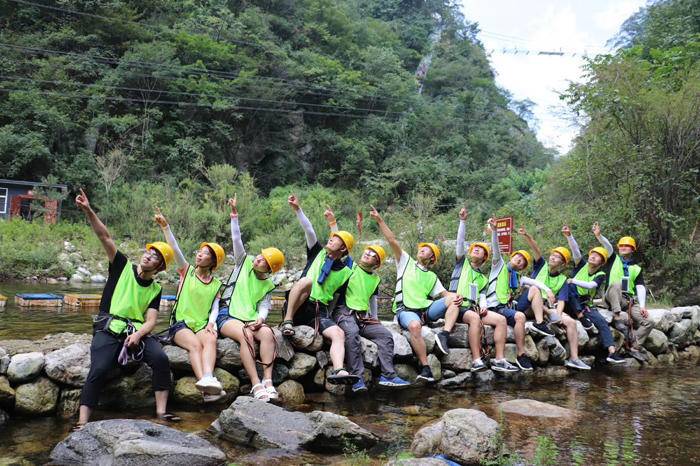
(526, 255)
(274, 258)
(602, 251)
(564, 253)
(346, 237)
(218, 252)
(164, 250)
(482, 245)
(379, 250)
(627, 241)
(433, 247)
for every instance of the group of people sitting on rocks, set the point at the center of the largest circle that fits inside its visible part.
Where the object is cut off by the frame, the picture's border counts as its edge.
(337, 296)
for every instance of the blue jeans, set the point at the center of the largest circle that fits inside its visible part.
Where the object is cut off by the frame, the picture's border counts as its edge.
(434, 312)
(575, 304)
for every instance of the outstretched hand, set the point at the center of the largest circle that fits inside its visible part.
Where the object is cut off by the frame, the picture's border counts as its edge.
(329, 215)
(522, 231)
(160, 218)
(233, 203)
(566, 231)
(463, 214)
(374, 214)
(293, 202)
(82, 201)
(596, 229)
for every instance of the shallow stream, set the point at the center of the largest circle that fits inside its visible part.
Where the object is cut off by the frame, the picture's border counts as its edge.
(625, 416)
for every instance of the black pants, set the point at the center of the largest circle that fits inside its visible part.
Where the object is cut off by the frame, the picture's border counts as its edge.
(104, 351)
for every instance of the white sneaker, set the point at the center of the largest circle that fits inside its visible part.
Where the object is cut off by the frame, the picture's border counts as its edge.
(209, 385)
(213, 398)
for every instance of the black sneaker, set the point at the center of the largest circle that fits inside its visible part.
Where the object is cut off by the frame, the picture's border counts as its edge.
(426, 375)
(524, 362)
(586, 322)
(615, 358)
(543, 329)
(441, 342)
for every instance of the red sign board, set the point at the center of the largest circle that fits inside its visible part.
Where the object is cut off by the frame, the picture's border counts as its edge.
(504, 230)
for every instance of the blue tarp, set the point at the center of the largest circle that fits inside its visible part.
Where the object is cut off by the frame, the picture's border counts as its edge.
(30, 296)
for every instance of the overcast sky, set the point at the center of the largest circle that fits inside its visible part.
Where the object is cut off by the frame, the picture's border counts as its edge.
(572, 26)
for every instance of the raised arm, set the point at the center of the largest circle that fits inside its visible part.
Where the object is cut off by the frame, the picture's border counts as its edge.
(536, 251)
(461, 233)
(602, 239)
(496, 257)
(573, 245)
(388, 234)
(330, 219)
(309, 232)
(238, 248)
(83, 203)
(170, 238)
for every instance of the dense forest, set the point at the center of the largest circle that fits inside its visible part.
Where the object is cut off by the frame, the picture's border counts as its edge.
(345, 102)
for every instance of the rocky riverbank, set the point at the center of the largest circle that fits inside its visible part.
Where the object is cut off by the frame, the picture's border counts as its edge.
(44, 377)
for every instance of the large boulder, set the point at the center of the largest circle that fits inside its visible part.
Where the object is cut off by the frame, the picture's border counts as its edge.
(300, 365)
(557, 352)
(335, 433)
(402, 347)
(7, 393)
(458, 336)
(291, 392)
(428, 335)
(130, 391)
(44, 345)
(4, 361)
(258, 424)
(285, 351)
(68, 403)
(656, 342)
(458, 359)
(25, 367)
(582, 334)
(682, 332)
(303, 337)
(542, 352)
(370, 352)
(662, 319)
(69, 365)
(228, 354)
(134, 442)
(533, 408)
(467, 436)
(406, 372)
(247, 422)
(186, 392)
(179, 358)
(229, 383)
(435, 367)
(39, 397)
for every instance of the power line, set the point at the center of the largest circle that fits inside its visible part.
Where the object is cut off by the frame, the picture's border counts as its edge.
(182, 68)
(194, 94)
(184, 104)
(80, 13)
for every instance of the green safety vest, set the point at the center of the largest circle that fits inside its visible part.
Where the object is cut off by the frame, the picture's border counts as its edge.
(466, 279)
(415, 285)
(361, 286)
(248, 292)
(194, 300)
(130, 300)
(555, 283)
(583, 275)
(617, 271)
(504, 292)
(323, 293)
